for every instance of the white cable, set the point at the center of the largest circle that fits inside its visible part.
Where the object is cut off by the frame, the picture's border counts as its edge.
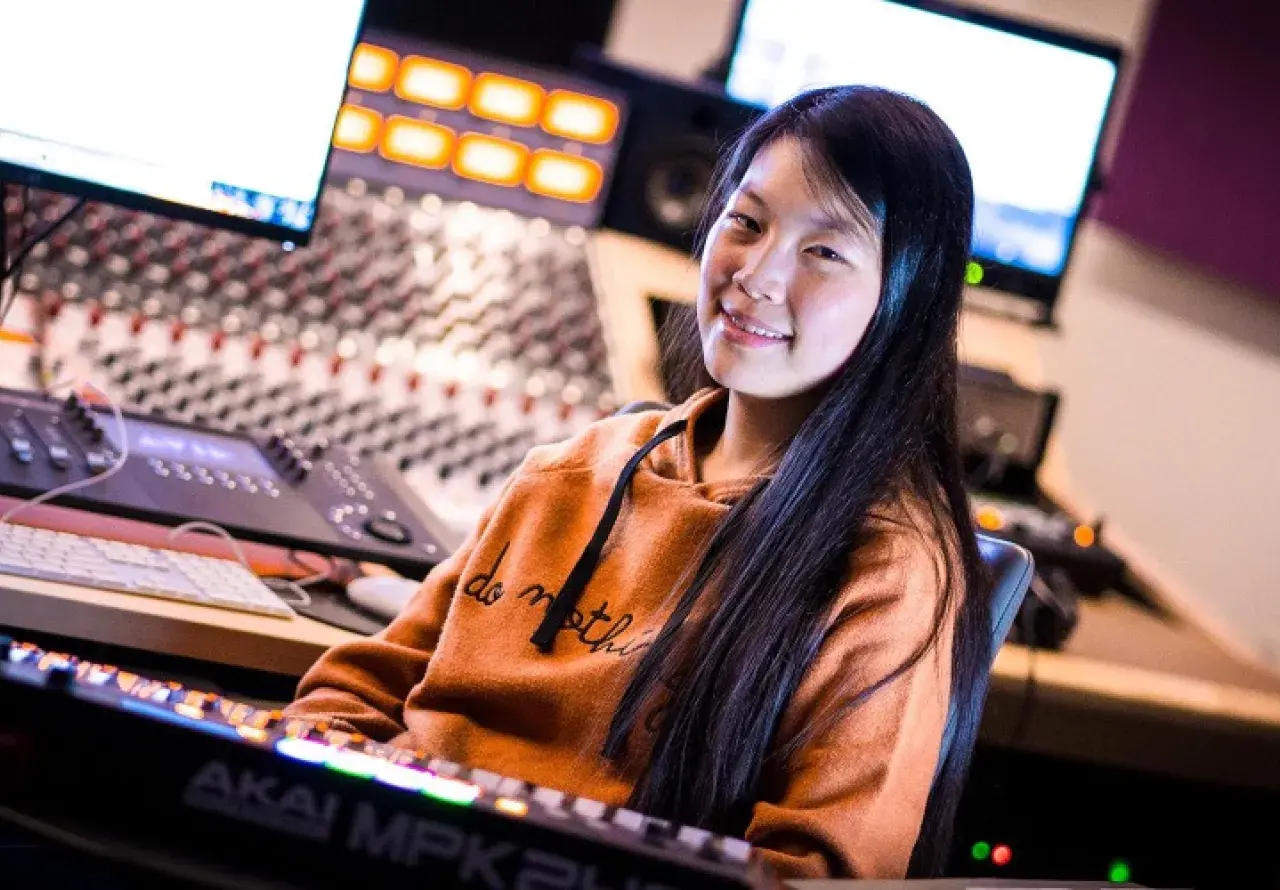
(304, 598)
(201, 525)
(312, 579)
(122, 434)
(324, 575)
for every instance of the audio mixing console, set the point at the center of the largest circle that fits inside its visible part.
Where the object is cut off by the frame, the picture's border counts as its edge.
(443, 337)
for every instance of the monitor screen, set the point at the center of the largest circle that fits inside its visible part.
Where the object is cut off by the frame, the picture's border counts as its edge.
(218, 112)
(1028, 106)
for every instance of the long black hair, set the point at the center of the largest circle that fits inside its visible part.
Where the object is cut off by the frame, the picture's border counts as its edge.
(885, 428)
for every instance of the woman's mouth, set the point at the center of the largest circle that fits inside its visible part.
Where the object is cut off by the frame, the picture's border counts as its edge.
(746, 332)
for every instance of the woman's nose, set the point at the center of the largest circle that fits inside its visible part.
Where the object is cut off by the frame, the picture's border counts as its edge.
(764, 276)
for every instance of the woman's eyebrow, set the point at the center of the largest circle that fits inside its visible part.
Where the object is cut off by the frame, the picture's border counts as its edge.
(751, 194)
(843, 224)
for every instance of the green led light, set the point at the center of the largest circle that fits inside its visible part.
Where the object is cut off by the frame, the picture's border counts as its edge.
(981, 850)
(973, 273)
(450, 790)
(1119, 873)
(353, 763)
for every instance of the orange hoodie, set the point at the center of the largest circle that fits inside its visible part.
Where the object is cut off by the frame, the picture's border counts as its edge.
(456, 674)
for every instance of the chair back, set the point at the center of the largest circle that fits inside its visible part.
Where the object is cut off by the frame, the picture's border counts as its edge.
(1010, 568)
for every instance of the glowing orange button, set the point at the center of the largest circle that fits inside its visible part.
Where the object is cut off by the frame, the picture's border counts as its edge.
(1084, 536)
(511, 807)
(564, 176)
(433, 82)
(584, 118)
(490, 159)
(990, 518)
(252, 733)
(506, 99)
(357, 129)
(416, 142)
(373, 68)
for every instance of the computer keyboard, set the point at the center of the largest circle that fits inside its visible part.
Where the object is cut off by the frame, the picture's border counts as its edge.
(131, 568)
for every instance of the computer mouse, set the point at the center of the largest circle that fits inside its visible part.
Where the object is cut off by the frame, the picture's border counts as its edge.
(382, 595)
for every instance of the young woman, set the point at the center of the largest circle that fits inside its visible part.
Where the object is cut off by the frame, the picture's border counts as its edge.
(751, 612)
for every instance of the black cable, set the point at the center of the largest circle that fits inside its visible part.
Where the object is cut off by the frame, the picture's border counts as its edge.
(4, 224)
(26, 249)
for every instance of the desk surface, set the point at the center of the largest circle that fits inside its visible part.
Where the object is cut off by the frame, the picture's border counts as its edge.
(1120, 653)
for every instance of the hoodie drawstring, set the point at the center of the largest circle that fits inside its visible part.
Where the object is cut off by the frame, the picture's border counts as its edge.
(565, 601)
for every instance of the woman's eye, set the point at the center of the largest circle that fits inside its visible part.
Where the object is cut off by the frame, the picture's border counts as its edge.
(742, 220)
(826, 253)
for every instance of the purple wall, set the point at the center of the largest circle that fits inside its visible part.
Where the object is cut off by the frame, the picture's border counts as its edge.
(1196, 171)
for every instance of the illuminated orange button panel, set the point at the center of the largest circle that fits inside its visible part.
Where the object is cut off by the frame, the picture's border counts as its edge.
(490, 159)
(373, 68)
(507, 100)
(433, 82)
(415, 142)
(576, 116)
(358, 129)
(568, 177)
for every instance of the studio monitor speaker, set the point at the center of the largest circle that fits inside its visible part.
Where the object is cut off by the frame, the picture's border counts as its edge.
(673, 137)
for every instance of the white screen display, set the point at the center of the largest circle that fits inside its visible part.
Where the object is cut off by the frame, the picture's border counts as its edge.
(1028, 113)
(226, 106)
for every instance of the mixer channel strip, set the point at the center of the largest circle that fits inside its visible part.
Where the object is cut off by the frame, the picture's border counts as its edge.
(131, 568)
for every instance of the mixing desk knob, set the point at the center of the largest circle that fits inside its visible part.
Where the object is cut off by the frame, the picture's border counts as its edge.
(257, 346)
(136, 323)
(101, 246)
(412, 381)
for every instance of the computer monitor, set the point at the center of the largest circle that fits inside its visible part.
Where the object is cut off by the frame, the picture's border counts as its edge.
(221, 113)
(1028, 104)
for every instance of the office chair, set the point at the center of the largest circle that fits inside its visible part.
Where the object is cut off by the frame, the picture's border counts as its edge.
(1009, 566)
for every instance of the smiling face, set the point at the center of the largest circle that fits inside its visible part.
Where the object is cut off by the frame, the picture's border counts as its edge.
(787, 288)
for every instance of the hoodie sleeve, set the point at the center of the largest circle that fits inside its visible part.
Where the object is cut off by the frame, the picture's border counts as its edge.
(849, 801)
(362, 686)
